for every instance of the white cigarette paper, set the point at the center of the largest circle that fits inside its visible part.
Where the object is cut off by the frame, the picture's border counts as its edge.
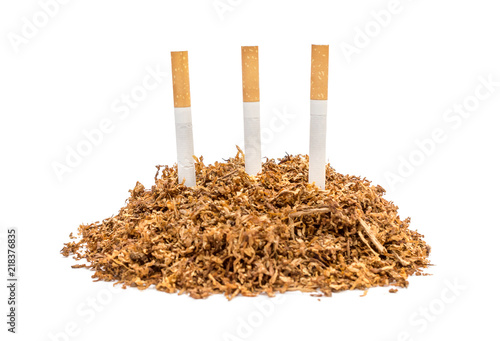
(251, 120)
(185, 146)
(317, 143)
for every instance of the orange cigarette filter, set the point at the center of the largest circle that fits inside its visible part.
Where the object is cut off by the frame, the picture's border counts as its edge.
(250, 69)
(319, 72)
(180, 79)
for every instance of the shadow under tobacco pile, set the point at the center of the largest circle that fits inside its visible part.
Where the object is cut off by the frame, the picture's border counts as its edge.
(234, 233)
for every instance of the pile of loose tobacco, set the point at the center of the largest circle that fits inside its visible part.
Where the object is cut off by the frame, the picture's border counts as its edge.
(238, 234)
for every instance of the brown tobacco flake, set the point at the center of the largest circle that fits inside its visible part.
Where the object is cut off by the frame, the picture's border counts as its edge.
(237, 234)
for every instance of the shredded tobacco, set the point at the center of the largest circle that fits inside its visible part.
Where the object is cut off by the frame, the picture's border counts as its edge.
(237, 234)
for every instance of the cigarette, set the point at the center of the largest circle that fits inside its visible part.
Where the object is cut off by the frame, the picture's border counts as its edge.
(319, 97)
(251, 108)
(183, 119)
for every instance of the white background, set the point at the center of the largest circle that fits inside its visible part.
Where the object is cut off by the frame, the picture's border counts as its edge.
(397, 88)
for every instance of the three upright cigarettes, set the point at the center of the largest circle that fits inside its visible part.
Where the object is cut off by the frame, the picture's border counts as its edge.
(251, 114)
